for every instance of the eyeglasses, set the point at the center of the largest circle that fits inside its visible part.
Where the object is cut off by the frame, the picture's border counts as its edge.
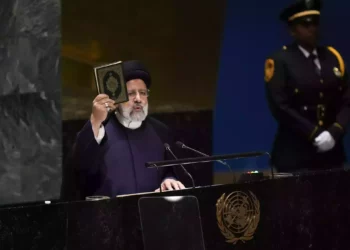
(142, 93)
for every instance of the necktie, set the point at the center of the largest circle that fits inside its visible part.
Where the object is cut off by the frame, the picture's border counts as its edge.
(312, 58)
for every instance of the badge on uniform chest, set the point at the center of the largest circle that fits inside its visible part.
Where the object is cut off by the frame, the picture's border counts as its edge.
(337, 72)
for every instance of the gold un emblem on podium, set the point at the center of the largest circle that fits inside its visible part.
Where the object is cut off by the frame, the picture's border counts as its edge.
(238, 216)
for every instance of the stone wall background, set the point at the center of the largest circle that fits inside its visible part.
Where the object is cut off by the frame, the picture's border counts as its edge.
(30, 100)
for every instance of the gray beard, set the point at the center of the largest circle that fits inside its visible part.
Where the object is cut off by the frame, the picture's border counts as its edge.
(129, 119)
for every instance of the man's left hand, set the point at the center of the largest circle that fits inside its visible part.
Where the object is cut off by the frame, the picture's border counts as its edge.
(171, 184)
(324, 142)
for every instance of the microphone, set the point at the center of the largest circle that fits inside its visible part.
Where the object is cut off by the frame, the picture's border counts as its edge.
(167, 147)
(182, 145)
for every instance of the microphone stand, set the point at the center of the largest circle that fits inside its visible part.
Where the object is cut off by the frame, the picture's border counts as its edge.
(203, 159)
(167, 147)
(182, 145)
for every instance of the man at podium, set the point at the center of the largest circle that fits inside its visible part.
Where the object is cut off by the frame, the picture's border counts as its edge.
(112, 155)
(308, 93)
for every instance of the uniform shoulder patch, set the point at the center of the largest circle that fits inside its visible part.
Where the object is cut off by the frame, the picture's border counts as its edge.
(269, 69)
(339, 58)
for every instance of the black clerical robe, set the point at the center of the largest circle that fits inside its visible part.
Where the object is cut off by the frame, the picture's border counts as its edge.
(117, 165)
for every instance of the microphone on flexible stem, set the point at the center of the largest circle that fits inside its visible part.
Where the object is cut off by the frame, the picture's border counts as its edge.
(182, 145)
(167, 147)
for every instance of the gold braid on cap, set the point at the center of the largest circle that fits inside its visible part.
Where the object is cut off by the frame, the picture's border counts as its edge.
(304, 13)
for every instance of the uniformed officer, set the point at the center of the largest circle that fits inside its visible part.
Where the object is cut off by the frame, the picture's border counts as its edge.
(308, 94)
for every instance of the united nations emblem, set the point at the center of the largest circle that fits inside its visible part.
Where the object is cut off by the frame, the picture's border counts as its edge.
(238, 216)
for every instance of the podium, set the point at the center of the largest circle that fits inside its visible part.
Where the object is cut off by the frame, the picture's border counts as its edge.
(301, 212)
(171, 222)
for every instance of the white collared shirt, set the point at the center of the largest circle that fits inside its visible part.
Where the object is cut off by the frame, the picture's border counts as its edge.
(307, 54)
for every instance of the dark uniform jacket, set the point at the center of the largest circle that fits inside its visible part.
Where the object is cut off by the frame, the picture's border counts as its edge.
(305, 102)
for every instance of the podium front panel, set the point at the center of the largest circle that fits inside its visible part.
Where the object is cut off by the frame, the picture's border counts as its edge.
(171, 222)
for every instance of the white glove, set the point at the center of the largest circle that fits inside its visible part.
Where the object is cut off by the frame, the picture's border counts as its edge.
(324, 142)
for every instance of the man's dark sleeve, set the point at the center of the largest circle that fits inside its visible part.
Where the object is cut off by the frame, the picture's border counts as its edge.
(278, 100)
(82, 164)
(87, 150)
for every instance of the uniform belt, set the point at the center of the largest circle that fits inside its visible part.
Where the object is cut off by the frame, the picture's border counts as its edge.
(320, 111)
(317, 107)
